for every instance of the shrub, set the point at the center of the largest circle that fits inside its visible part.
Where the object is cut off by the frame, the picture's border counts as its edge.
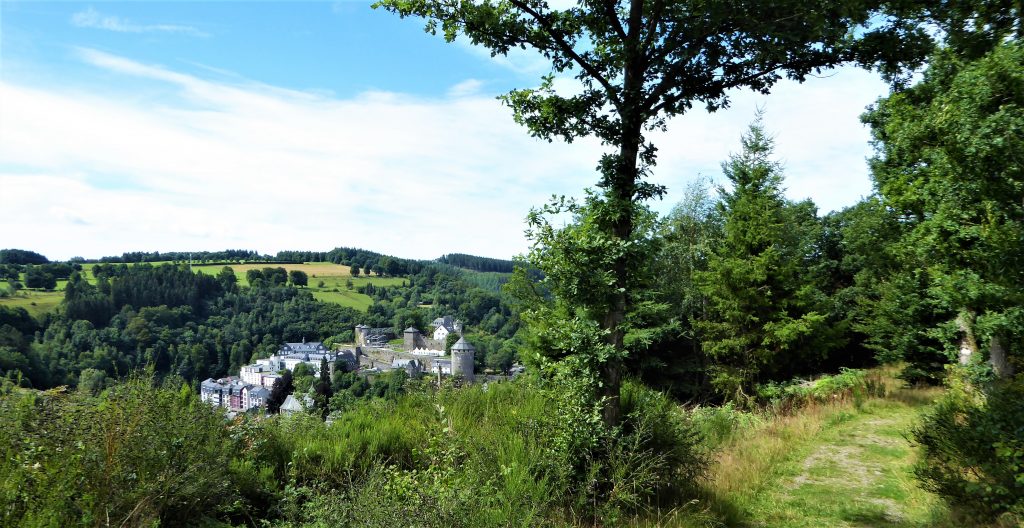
(785, 396)
(973, 449)
(135, 455)
(718, 425)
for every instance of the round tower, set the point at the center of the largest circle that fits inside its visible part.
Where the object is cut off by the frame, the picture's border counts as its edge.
(462, 359)
(361, 332)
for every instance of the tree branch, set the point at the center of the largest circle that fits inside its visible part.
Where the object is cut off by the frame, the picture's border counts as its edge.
(613, 19)
(723, 86)
(560, 41)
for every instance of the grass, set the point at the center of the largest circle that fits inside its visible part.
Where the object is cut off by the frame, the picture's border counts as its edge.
(352, 299)
(37, 302)
(334, 277)
(835, 464)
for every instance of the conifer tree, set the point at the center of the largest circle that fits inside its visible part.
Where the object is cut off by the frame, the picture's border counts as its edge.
(758, 311)
(322, 399)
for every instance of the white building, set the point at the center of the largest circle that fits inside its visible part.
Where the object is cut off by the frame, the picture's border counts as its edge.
(427, 352)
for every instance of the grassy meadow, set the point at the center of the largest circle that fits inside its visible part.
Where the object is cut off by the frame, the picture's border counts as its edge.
(334, 278)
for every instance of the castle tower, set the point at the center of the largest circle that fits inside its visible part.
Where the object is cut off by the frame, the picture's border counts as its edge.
(361, 332)
(462, 359)
(411, 339)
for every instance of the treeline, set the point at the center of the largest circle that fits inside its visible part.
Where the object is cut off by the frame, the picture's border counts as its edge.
(227, 255)
(21, 256)
(472, 262)
(42, 276)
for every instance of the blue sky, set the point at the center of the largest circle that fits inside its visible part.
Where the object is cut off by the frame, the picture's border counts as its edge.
(187, 125)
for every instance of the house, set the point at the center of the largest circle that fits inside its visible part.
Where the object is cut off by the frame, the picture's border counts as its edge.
(440, 321)
(444, 326)
(427, 352)
(313, 347)
(443, 366)
(291, 405)
(254, 396)
(232, 394)
(254, 373)
(267, 380)
(412, 366)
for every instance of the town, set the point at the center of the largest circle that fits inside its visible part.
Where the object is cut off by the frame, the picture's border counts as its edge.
(371, 354)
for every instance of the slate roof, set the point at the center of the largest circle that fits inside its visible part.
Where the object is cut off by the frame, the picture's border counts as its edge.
(312, 346)
(259, 392)
(462, 344)
(291, 404)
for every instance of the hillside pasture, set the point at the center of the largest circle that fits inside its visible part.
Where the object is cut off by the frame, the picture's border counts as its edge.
(37, 302)
(334, 277)
(334, 290)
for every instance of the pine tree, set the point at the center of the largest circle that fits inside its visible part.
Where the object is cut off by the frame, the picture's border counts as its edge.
(322, 399)
(758, 311)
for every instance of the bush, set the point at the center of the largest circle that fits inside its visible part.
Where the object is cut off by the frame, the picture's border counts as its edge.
(136, 455)
(718, 425)
(786, 396)
(973, 449)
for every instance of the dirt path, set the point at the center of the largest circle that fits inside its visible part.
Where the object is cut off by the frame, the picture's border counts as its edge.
(858, 473)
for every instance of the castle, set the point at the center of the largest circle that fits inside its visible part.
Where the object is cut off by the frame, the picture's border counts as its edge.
(420, 347)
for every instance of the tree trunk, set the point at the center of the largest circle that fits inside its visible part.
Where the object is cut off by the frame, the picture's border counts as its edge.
(968, 344)
(1001, 365)
(621, 194)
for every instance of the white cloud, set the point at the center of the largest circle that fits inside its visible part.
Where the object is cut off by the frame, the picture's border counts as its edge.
(248, 165)
(466, 88)
(90, 18)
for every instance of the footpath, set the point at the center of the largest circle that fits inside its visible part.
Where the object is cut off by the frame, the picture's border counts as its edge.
(857, 472)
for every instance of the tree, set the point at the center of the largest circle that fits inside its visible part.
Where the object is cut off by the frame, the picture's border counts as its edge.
(91, 381)
(639, 64)
(21, 256)
(298, 278)
(759, 309)
(947, 163)
(279, 391)
(253, 276)
(323, 390)
(275, 276)
(355, 270)
(36, 277)
(227, 279)
(450, 341)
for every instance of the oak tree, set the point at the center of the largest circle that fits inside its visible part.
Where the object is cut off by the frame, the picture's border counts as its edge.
(640, 63)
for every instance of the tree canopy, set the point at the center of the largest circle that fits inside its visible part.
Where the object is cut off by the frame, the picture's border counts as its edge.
(640, 63)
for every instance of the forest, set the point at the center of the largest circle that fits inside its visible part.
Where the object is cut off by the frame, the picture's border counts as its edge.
(676, 364)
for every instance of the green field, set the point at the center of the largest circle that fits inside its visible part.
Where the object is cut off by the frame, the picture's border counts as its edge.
(35, 301)
(333, 277)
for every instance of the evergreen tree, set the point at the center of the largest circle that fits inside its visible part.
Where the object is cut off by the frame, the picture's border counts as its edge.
(323, 390)
(759, 309)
